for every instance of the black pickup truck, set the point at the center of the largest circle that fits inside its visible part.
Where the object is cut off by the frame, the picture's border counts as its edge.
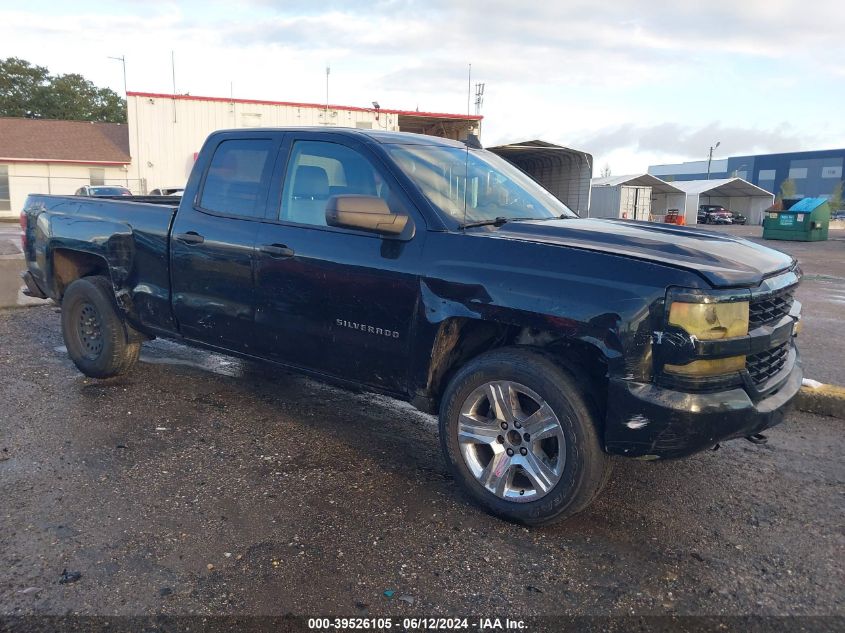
(437, 273)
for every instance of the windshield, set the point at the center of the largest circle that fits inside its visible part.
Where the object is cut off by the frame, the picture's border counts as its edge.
(475, 185)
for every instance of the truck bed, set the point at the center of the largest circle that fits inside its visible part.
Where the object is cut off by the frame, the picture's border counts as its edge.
(129, 236)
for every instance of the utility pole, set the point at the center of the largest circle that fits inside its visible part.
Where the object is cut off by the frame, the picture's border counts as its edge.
(173, 71)
(469, 87)
(328, 72)
(710, 157)
(122, 60)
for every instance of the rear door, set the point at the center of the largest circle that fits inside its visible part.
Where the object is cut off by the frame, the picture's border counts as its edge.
(332, 300)
(643, 203)
(213, 238)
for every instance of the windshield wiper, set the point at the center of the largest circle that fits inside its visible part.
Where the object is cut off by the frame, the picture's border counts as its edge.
(499, 221)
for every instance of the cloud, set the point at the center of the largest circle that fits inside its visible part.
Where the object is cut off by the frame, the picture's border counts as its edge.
(674, 139)
(628, 78)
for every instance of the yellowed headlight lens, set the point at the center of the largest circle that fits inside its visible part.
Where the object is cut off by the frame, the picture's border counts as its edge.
(711, 321)
(708, 367)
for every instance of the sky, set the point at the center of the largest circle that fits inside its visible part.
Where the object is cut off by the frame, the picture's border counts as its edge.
(635, 83)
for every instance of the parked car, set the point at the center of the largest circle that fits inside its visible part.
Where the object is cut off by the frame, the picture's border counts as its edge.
(100, 190)
(738, 218)
(546, 342)
(168, 191)
(714, 214)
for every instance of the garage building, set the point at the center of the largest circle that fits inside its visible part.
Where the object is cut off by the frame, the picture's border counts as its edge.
(167, 131)
(735, 194)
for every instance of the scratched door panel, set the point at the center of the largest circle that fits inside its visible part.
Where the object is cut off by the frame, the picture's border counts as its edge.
(344, 304)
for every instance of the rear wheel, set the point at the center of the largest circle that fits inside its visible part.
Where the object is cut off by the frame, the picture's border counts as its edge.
(520, 437)
(93, 330)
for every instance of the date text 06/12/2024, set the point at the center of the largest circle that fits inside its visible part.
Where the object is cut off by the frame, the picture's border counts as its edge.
(376, 624)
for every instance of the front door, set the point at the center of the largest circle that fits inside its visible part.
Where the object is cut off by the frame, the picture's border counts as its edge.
(331, 300)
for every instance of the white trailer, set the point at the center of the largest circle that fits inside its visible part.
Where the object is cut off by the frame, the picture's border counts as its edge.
(633, 197)
(624, 202)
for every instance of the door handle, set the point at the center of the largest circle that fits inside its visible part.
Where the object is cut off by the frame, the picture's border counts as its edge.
(277, 250)
(191, 237)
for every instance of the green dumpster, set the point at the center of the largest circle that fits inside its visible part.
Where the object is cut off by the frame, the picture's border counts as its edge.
(805, 221)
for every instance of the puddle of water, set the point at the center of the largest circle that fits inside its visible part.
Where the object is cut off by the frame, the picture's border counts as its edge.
(164, 352)
(399, 407)
(161, 352)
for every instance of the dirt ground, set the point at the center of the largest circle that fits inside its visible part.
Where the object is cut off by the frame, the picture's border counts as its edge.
(199, 484)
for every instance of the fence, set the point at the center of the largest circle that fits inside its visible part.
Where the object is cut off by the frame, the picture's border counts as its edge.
(67, 185)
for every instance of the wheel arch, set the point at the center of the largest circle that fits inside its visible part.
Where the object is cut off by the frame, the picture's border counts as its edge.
(68, 265)
(460, 339)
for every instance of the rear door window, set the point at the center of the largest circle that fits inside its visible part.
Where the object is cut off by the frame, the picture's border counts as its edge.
(234, 184)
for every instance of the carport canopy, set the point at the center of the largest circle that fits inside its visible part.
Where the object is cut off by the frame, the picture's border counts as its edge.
(563, 171)
(735, 194)
(638, 180)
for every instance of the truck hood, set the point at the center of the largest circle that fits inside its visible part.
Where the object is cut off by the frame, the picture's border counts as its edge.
(724, 261)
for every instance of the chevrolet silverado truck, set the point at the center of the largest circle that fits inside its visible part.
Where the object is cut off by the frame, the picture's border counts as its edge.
(437, 273)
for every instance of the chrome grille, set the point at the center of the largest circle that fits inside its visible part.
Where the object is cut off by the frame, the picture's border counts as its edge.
(769, 308)
(766, 364)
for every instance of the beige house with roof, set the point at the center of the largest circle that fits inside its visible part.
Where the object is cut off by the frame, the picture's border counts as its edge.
(58, 157)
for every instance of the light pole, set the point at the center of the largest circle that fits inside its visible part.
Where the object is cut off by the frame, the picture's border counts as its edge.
(710, 157)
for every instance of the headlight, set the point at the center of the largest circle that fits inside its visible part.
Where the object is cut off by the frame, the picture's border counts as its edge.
(708, 322)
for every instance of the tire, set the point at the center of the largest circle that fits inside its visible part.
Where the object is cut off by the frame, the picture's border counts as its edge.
(546, 479)
(94, 331)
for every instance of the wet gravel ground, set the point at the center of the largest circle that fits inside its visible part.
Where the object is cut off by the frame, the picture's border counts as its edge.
(201, 484)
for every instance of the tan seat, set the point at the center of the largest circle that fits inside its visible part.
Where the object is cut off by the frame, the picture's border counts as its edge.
(310, 193)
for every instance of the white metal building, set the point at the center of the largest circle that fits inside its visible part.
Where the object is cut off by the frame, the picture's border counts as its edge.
(735, 194)
(635, 197)
(167, 131)
(563, 171)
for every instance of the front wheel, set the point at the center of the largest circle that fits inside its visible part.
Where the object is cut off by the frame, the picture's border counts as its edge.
(93, 329)
(519, 435)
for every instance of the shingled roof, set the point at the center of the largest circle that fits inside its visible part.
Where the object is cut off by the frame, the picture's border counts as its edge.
(64, 141)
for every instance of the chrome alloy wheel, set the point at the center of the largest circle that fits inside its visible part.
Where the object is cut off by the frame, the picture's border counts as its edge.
(511, 441)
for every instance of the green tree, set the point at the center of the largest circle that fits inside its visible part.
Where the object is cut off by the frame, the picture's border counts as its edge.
(30, 91)
(20, 85)
(787, 189)
(835, 200)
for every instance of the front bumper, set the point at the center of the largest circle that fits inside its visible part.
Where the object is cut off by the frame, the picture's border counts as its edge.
(645, 420)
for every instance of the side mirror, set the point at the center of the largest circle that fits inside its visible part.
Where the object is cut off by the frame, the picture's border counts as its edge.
(364, 213)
